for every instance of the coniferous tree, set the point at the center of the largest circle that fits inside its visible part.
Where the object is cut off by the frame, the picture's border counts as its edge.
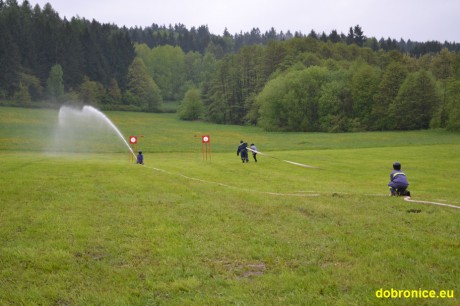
(24, 34)
(9, 62)
(334, 36)
(72, 56)
(358, 36)
(122, 54)
(47, 27)
(142, 91)
(372, 43)
(313, 35)
(350, 37)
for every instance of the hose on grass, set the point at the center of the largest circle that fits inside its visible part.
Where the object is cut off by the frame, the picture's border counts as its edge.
(297, 194)
(408, 199)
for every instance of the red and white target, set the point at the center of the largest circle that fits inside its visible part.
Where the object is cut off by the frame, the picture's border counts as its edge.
(132, 139)
(206, 146)
(205, 139)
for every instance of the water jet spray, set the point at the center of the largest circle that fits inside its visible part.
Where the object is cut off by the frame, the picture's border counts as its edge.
(78, 125)
(109, 122)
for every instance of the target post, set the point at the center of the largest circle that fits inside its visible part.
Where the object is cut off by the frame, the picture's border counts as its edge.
(206, 146)
(133, 141)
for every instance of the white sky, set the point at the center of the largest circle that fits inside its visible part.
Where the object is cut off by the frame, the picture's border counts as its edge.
(417, 20)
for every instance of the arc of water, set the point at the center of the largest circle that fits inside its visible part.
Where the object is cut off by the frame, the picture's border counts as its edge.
(110, 123)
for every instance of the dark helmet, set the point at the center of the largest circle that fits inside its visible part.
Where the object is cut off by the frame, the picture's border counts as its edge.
(397, 166)
(140, 152)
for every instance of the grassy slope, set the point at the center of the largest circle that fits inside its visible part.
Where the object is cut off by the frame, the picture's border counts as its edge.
(93, 228)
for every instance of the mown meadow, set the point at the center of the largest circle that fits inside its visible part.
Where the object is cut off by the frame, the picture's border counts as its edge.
(84, 225)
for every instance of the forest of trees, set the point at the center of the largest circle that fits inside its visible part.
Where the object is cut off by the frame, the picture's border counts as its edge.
(200, 39)
(279, 81)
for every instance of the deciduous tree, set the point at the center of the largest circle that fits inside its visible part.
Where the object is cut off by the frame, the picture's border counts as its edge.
(55, 83)
(192, 107)
(416, 100)
(387, 91)
(290, 102)
(364, 85)
(91, 92)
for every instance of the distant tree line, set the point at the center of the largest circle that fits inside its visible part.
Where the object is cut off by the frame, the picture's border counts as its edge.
(199, 39)
(304, 84)
(33, 40)
(279, 81)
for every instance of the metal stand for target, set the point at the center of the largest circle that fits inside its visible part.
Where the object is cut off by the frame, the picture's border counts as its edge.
(206, 147)
(133, 143)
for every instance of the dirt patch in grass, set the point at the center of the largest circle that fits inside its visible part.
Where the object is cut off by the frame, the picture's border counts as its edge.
(240, 269)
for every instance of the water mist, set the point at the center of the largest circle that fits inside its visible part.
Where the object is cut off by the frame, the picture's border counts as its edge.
(86, 130)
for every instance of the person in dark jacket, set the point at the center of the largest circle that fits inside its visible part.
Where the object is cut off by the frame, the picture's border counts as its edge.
(398, 181)
(140, 158)
(243, 151)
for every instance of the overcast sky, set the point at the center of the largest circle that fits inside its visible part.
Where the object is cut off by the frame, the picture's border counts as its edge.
(418, 20)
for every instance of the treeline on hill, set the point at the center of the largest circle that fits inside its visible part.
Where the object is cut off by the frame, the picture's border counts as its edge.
(279, 81)
(201, 39)
(39, 51)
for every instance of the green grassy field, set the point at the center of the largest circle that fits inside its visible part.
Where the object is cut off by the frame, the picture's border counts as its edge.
(88, 227)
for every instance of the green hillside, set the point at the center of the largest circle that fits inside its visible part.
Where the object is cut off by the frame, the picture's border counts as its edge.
(84, 225)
